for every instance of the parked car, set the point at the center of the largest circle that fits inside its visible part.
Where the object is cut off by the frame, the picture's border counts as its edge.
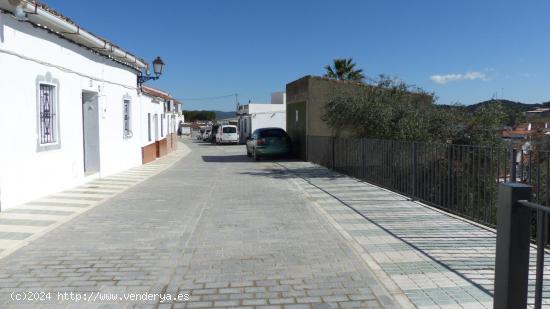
(199, 134)
(268, 142)
(206, 134)
(213, 132)
(227, 134)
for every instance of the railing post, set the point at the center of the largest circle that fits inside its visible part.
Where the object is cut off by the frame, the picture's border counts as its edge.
(513, 163)
(333, 152)
(512, 251)
(363, 158)
(414, 169)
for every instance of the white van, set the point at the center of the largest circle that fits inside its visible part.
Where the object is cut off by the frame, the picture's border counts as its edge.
(206, 134)
(227, 134)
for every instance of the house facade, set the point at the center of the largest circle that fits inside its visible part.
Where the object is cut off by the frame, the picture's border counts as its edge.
(70, 106)
(253, 116)
(175, 119)
(160, 117)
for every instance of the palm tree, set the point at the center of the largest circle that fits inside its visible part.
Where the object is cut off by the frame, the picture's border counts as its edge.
(343, 69)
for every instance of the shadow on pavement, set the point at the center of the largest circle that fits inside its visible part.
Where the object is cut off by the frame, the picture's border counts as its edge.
(228, 159)
(288, 173)
(242, 158)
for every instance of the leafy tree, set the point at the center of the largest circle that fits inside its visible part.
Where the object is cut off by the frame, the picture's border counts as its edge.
(199, 115)
(389, 110)
(483, 126)
(344, 69)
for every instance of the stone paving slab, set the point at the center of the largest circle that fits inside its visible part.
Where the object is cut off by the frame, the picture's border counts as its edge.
(437, 259)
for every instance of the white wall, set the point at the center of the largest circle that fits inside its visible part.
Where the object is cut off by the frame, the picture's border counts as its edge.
(150, 105)
(25, 173)
(267, 120)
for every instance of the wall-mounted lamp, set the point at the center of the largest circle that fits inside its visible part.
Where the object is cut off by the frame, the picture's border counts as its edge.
(158, 65)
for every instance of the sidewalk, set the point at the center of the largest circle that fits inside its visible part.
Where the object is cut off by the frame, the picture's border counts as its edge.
(24, 223)
(436, 259)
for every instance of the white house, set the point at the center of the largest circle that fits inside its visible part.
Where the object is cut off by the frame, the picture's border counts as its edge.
(70, 109)
(253, 116)
(160, 117)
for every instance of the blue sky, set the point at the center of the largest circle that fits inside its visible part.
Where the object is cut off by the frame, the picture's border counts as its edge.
(465, 51)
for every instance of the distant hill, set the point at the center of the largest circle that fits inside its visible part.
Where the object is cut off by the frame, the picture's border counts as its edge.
(515, 111)
(223, 115)
(507, 104)
(204, 115)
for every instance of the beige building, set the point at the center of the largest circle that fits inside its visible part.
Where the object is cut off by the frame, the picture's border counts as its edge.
(306, 99)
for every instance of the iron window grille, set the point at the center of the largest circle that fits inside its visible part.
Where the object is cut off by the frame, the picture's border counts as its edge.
(48, 115)
(126, 117)
(149, 125)
(161, 125)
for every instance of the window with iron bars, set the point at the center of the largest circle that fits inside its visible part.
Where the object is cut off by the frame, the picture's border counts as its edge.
(126, 118)
(162, 125)
(48, 115)
(149, 126)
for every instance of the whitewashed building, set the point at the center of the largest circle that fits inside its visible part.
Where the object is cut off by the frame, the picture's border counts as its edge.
(253, 116)
(159, 117)
(69, 104)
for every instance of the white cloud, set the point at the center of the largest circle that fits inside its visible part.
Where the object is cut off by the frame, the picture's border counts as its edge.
(443, 79)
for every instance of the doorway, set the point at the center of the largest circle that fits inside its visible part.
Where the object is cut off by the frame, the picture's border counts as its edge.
(296, 123)
(90, 132)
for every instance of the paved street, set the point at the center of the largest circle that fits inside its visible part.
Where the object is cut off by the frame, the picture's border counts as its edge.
(222, 228)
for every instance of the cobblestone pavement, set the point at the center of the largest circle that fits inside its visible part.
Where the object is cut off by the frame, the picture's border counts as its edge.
(438, 260)
(214, 226)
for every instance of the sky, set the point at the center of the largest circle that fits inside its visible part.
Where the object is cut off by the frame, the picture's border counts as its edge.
(465, 51)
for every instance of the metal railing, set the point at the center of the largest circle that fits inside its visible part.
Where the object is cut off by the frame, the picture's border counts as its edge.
(514, 232)
(541, 236)
(461, 179)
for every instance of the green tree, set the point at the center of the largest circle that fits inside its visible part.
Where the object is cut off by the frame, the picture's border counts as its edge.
(199, 115)
(344, 69)
(390, 109)
(480, 127)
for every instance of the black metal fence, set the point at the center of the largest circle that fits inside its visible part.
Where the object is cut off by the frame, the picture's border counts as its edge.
(461, 179)
(514, 231)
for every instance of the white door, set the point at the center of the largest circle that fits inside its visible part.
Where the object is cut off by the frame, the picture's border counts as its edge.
(156, 120)
(90, 132)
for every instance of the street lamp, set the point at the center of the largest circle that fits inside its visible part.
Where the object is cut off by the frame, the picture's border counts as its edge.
(158, 65)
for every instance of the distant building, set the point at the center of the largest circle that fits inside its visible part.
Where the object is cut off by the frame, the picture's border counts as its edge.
(538, 112)
(525, 131)
(253, 116)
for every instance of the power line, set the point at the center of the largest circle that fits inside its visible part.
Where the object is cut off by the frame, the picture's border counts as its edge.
(66, 70)
(208, 98)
